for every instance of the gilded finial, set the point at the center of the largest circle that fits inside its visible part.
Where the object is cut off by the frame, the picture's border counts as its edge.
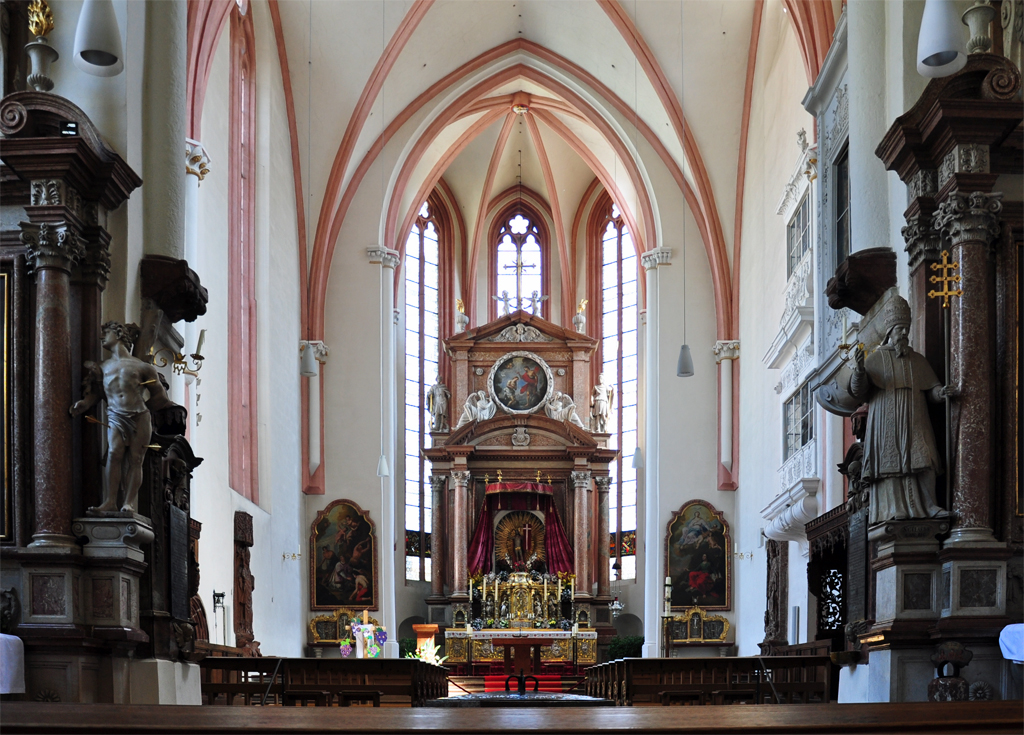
(499, 475)
(40, 18)
(583, 306)
(538, 476)
(460, 306)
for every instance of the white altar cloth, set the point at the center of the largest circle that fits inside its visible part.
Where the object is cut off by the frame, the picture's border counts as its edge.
(12, 665)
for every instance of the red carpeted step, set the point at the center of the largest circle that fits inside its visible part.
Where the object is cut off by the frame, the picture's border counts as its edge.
(546, 683)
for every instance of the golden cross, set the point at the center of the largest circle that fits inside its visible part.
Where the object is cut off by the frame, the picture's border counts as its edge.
(945, 279)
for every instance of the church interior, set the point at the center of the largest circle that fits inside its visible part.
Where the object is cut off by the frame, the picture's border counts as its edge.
(366, 353)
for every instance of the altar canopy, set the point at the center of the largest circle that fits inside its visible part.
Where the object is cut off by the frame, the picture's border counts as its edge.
(520, 496)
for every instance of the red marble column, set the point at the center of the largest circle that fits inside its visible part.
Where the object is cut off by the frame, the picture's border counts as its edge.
(53, 249)
(581, 485)
(603, 484)
(437, 516)
(970, 222)
(460, 534)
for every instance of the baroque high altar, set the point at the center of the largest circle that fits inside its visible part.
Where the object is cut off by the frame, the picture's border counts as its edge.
(520, 482)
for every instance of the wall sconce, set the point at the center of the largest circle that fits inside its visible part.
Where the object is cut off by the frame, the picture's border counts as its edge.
(638, 459)
(179, 365)
(311, 353)
(940, 43)
(684, 368)
(98, 49)
(382, 467)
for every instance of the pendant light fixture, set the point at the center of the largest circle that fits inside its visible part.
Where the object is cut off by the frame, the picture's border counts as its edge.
(684, 367)
(941, 43)
(98, 49)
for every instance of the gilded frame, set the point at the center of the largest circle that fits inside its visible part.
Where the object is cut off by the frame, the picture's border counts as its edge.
(698, 558)
(338, 575)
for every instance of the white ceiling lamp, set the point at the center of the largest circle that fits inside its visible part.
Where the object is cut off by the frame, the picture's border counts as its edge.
(98, 49)
(941, 45)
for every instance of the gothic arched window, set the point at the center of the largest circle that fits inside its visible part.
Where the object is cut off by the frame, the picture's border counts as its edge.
(242, 386)
(519, 260)
(614, 294)
(422, 353)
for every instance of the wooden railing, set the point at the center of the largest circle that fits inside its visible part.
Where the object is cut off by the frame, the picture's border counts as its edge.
(291, 681)
(753, 680)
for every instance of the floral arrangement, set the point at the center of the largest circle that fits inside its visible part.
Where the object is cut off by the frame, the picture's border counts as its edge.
(428, 654)
(502, 623)
(477, 624)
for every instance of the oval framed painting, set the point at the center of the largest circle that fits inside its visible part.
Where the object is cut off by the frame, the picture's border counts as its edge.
(520, 382)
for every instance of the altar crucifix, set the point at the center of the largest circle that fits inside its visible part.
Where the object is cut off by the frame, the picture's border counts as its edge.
(519, 267)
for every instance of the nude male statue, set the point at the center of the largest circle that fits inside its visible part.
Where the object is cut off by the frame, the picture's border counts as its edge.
(131, 388)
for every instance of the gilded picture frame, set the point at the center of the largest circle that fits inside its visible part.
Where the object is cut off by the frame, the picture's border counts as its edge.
(343, 559)
(698, 558)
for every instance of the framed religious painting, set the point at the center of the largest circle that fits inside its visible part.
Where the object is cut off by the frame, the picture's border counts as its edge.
(520, 382)
(343, 559)
(698, 558)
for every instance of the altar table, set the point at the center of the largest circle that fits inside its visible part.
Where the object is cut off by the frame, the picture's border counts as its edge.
(522, 647)
(552, 646)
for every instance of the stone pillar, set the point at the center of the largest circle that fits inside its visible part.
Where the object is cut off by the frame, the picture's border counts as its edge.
(654, 572)
(725, 353)
(54, 247)
(164, 129)
(581, 482)
(603, 483)
(388, 260)
(971, 223)
(460, 534)
(437, 518)
(197, 165)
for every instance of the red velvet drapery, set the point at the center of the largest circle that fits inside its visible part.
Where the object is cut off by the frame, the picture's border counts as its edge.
(505, 496)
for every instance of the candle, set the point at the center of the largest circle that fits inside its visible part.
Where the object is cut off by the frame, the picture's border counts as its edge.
(545, 589)
(366, 617)
(202, 339)
(483, 594)
(668, 581)
(559, 590)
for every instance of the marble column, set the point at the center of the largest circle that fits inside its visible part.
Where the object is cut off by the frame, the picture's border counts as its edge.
(460, 534)
(603, 483)
(654, 573)
(54, 247)
(164, 195)
(581, 482)
(437, 516)
(970, 222)
(388, 261)
(725, 353)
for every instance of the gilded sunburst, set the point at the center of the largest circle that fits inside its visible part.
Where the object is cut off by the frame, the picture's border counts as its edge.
(531, 544)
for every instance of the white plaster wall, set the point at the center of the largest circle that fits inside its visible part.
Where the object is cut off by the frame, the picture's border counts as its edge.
(278, 598)
(772, 153)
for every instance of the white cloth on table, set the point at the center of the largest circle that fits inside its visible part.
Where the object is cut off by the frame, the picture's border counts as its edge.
(1011, 642)
(12, 665)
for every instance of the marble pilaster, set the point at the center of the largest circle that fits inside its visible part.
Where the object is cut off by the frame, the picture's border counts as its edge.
(581, 482)
(603, 483)
(460, 534)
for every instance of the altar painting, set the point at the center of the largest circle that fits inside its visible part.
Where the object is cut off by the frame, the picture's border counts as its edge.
(520, 382)
(343, 559)
(699, 558)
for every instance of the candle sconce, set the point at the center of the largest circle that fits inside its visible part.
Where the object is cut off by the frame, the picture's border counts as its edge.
(178, 362)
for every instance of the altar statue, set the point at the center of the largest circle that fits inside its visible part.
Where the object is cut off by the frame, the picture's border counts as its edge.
(437, 405)
(901, 458)
(478, 407)
(561, 407)
(131, 388)
(601, 400)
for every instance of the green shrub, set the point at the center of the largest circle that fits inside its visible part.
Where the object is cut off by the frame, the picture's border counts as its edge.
(630, 646)
(406, 646)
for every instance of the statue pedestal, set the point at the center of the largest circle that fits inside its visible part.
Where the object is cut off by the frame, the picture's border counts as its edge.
(906, 569)
(114, 536)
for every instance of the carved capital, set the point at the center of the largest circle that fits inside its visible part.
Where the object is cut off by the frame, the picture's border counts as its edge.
(654, 258)
(197, 161)
(923, 241)
(95, 264)
(438, 483)
(966, 158)
(726, 350)
(386, 258)
(967, 218)
(51, 245)
(57, 193)
(581, 480)
(603, 482)
(924, 183)
(461, 477)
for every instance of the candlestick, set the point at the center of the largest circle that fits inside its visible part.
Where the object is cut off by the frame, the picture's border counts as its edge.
(366, 617)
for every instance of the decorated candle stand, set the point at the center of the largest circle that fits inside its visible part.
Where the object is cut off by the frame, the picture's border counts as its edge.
(369, 639)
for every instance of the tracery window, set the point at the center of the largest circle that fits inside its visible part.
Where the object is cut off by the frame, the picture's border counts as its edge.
(242, 336)
(520, 263)
(616, 300)
(422, 336)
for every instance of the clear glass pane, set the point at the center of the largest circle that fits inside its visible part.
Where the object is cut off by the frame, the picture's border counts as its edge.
(629, 518)
(412, 243)
(426, 570)
(412, 568)
(412, 518)
(629, 567)
(425, 210)
(430, 346)
(519, 224)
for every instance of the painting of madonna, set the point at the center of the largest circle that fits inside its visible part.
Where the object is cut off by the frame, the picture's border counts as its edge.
(699, 558)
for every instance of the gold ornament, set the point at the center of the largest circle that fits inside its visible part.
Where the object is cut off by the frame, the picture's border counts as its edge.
(460, 306)
(40, 18)
(583, 306)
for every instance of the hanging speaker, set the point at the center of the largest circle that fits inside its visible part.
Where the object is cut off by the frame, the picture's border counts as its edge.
(942, 43)
(685, 367)
(98, 49)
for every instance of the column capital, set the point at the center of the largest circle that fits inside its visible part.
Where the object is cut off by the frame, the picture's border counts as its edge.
(966, 218)
(387, 258)
(726, 349)
(656, 257)
(461, 477)
(923, 241)
(51, 245)
(438, 482)
(197, 160)
(95, 263)
(603, 482)
(581, 479)
(320, 351)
